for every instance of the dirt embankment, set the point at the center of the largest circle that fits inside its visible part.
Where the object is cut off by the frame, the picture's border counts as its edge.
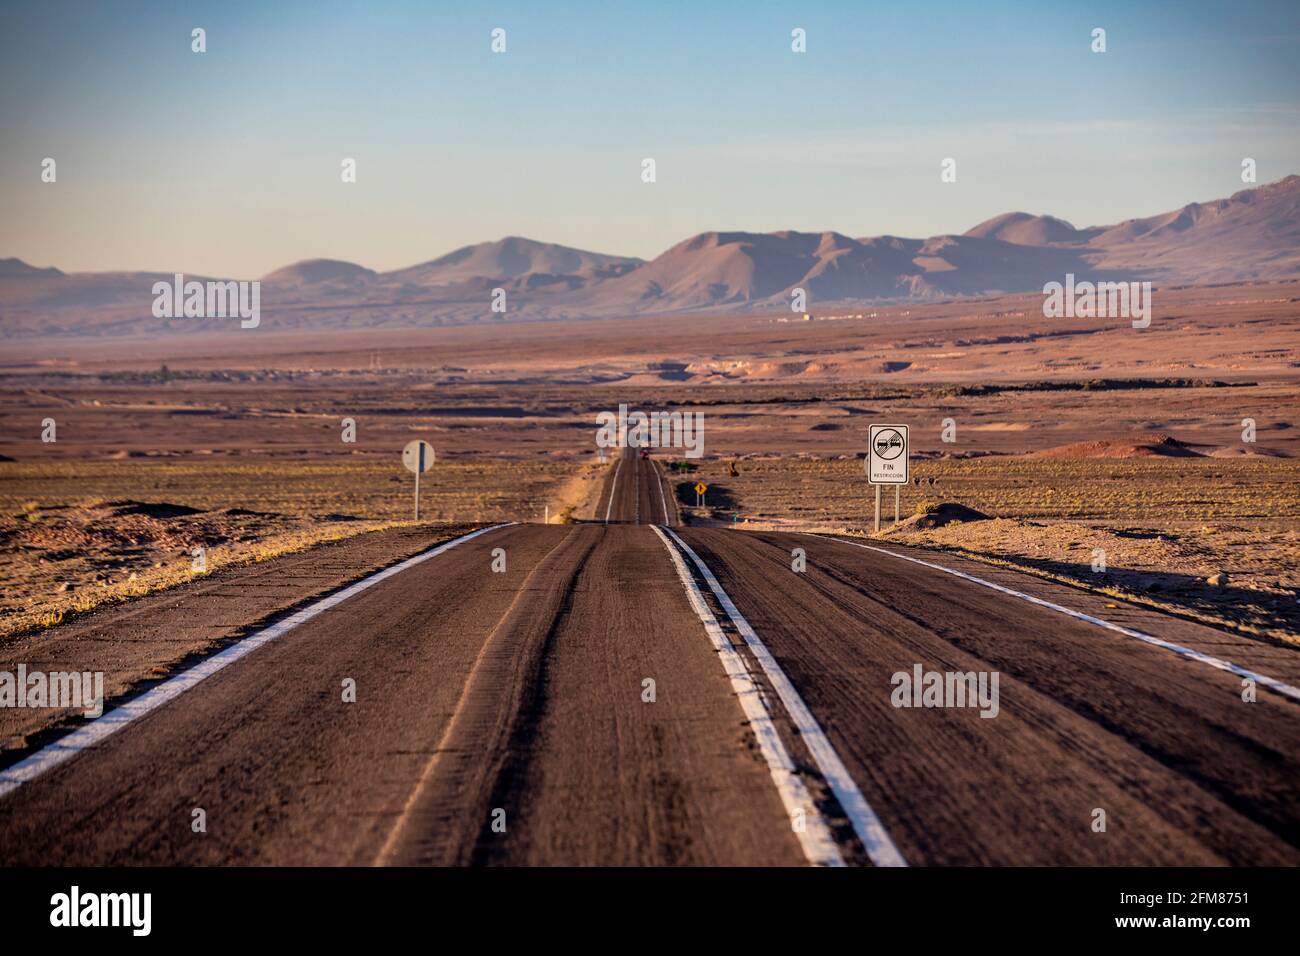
(61, 561)
(575, 499)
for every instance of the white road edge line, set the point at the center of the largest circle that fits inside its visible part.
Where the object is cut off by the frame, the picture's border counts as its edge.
(67, 747)
(659, 483)
(1271, 683)
(677, 511)
(613, 487)
(815, 838)
(875, 839)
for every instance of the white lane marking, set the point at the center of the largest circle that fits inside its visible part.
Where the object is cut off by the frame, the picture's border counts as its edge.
(636, 492)
(67, 747)
(613, 487)
(659, 483)
(1271, 683)
(815, 837)
(866, 824)
(677, 508)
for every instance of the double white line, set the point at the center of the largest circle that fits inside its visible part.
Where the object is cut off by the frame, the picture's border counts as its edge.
(815, 836)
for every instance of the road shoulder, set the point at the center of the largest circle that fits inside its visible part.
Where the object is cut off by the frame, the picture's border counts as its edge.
(138, 643)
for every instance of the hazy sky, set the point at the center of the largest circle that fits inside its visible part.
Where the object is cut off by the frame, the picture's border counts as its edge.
(228, 162)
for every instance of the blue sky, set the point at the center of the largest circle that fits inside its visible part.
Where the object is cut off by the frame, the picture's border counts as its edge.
(228, 162)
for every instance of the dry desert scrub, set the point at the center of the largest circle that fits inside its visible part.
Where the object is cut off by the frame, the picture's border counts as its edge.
(1166, 525)
(75, 536)
(1192, 491)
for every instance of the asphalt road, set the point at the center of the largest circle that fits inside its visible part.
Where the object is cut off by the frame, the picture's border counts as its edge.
(613, 693)
(637, 491)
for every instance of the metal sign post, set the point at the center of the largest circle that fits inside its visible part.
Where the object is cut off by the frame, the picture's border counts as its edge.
(887, 462)
(417, 456)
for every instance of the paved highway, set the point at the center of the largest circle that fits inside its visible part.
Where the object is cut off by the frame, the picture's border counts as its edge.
(629, 691)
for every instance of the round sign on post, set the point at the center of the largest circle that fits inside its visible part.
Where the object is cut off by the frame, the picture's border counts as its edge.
(417, 456)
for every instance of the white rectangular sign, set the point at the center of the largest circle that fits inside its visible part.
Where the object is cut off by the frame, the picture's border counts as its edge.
(887, 455)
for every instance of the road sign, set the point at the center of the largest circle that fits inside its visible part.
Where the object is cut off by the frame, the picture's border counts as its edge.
(417, 456)
(886, 463)
(700, 489)
(887, 455)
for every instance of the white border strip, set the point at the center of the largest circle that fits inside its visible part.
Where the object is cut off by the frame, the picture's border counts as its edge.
(866, 824)
(1271, 683)
(815, 838)
(659, 482)
(676, 518)
(636, 493)
(67, 747)
(613, 486)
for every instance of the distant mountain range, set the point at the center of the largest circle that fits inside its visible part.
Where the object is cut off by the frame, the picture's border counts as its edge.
(1254, 235)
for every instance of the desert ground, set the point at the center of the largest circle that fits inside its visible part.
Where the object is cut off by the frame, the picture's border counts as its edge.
(1069, 435)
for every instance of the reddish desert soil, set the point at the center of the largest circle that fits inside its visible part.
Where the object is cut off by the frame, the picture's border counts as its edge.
(257, 420)
(1012, 381)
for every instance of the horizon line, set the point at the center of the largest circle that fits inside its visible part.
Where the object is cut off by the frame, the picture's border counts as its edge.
(642, 261)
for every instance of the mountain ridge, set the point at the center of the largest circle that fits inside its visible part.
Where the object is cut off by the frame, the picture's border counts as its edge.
(1253, 234)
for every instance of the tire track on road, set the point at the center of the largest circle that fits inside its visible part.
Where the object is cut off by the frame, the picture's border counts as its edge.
(448, 808)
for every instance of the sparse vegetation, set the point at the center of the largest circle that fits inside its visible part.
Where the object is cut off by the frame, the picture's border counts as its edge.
(86, 539)
(1185, 491)
(1166, 525)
